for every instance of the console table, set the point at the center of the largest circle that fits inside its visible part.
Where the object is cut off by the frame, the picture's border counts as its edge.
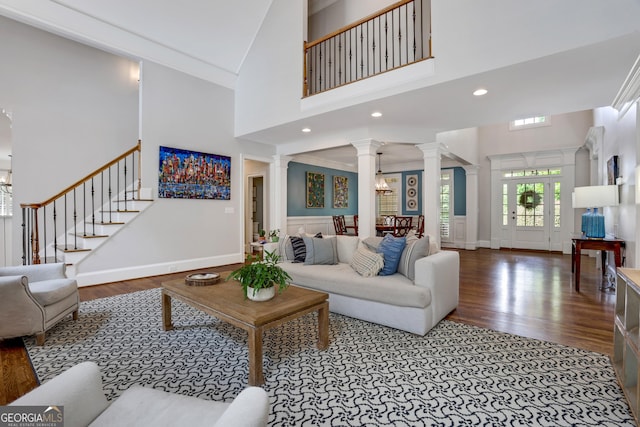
(604, 245)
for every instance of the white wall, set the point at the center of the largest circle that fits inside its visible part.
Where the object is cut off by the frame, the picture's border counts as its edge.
(342, 13)
(463, 142)
(525, 30)
(181, 234)
(269, 85)
(74, 109)
(620, 139)
(270, 95)
(567, 130)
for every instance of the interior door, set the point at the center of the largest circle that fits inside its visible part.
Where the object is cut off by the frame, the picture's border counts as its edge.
(528, 213)
(255, 217)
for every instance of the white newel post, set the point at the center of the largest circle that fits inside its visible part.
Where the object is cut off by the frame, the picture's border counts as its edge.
(278, 197)
(366, 149)
(431, 188)
(472, 207)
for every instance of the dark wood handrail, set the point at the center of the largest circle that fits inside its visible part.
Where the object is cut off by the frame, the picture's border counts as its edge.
(77, 184)
(358, 22)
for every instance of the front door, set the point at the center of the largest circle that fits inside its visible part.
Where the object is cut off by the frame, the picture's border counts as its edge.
(530, 210)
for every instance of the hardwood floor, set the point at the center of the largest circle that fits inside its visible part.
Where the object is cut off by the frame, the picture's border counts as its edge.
(524, 293)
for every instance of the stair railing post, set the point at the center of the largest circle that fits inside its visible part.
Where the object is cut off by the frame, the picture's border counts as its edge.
(35, 238)
(25, 233)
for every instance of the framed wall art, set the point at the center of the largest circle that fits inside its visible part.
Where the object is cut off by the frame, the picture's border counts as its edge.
(612, 170)
(340, 192)
(185, 174)
(315, 190)
(411, 193)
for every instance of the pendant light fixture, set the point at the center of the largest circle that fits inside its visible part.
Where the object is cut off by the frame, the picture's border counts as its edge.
(381, 184)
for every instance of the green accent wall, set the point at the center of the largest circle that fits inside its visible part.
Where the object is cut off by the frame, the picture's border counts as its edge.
(459, 191)
(297, 193)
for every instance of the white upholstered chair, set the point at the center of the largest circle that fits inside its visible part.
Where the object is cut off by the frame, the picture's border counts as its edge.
(33, 298)
(79, 390)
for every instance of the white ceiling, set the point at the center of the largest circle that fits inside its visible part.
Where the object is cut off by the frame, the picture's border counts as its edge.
(216, 32)
(213, 37)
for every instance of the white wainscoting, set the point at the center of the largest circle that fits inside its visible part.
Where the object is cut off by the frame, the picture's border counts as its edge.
(458, 232)
(312, 224)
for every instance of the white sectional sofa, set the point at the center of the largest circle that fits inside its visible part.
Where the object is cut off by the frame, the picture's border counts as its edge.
(410, 300)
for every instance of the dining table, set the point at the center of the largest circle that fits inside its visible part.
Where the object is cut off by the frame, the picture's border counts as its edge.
(381, 229)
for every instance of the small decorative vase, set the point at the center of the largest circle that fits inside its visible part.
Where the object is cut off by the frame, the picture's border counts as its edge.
(275, 239)
(262, 294)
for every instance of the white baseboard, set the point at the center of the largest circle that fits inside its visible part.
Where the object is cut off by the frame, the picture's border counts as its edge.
(137, 272)
(484, 244)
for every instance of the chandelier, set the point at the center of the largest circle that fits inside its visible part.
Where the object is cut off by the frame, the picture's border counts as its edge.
(381, 184)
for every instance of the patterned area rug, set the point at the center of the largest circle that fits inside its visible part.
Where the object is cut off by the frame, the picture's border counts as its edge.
(370, 375)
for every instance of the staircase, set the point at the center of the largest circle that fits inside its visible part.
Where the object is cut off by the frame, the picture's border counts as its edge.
(81, 245)
(70, 226)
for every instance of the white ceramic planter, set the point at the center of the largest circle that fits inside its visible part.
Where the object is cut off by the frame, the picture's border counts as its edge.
(263, 294)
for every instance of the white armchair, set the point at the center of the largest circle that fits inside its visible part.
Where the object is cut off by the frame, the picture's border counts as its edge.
(79, 390)
(33, 298)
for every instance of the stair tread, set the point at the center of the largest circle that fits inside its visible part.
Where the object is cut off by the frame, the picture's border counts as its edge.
(134, 200)
(61, 248)
(90, 236)
(108, 223)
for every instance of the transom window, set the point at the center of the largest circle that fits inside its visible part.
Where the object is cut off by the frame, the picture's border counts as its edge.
(531, 172)
(529, 122)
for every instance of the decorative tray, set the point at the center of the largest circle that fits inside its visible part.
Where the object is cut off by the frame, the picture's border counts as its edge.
(202, 279)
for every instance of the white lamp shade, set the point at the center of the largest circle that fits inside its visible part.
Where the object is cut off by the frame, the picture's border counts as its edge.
(595, 196)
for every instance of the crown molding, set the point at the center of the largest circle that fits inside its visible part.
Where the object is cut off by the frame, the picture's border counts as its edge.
(629, 92)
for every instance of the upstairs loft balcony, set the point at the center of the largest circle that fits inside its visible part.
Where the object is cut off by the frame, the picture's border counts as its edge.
(394, 37)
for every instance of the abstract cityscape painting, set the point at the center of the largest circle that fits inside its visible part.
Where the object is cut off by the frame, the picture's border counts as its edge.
(185, 174)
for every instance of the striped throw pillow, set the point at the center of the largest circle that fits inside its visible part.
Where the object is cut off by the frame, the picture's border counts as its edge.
(366, 263)
(414, 250)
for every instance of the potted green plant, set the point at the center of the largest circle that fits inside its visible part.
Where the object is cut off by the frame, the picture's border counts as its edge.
(262, 233)
(259, 279)
(274, 235)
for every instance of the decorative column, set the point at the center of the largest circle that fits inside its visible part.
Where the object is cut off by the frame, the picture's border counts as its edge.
(366, 149)
(278, 196)
(472, 207)
(432, 152)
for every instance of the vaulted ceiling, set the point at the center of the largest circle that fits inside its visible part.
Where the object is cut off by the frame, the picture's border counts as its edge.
(210, 39)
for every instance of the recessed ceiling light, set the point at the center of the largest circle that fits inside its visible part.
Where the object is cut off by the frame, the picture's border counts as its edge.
(480, 92)
(306, 130)
(376, 114)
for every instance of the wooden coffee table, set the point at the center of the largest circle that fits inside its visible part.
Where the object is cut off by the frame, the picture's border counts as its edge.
(226, 301)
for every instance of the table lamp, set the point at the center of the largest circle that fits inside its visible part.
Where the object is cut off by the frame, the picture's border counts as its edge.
(594, 197)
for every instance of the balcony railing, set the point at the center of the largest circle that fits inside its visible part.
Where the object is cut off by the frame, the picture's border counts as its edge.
(394, 37)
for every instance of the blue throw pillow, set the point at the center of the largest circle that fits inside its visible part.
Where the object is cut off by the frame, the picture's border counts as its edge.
(391, 249)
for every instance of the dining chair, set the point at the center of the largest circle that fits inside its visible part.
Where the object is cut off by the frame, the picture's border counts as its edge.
(402, 225)
(420, 230)
(354, 226)
(339, 225)
(388, 219)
